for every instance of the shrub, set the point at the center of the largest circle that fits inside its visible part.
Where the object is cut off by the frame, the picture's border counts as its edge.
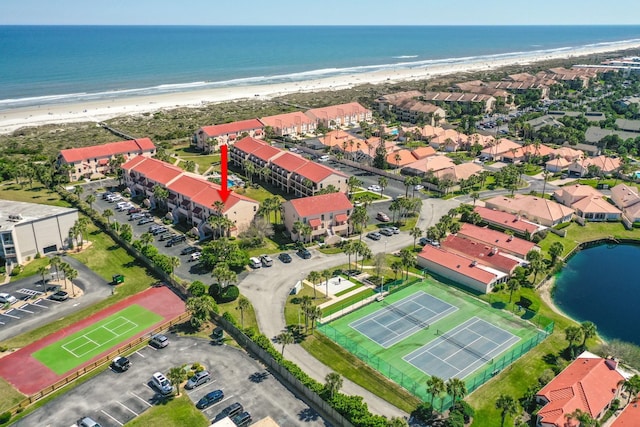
(38, 256)
(230, 293)
(465, 409)
(215, 290)
(16, 270)
(5, 417)
(198, 289)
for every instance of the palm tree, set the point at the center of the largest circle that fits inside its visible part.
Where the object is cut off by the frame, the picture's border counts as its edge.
(243, 304)
(306, 305)
(56, 262)
(397, 422)
(177, 375)
(507, 406)
(397, 267)
(408, 182)
(315, 313)
(584, 418)
(249, 169)
(107, 213)
(475, 196)
(348, 248)
(42, 271)
(160, 194)
(285, 338)
(382, 182)
(573, 334)
(326, 275)
(71, 274)
(175, 263)
(512, 286)
(407, 259)
(555, 250)
(631, 386)
(333, 383)
(90, 199)
(353, 183)
(314, 277)
(416, 233)
(146, 239)
(435, 387)
(589, 330)
(456, 388)
(78, 190)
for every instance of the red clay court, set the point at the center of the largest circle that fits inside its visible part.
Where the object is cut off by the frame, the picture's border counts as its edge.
(29, 375)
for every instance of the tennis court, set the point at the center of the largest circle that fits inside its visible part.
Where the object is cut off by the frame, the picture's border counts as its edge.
(396, 321)
(89, 342)
(462, 350)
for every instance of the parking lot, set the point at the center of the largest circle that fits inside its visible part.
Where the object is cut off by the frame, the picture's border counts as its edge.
(113, 398)
(34, 309)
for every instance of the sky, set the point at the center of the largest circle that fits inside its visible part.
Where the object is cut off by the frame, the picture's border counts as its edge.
(325, 12)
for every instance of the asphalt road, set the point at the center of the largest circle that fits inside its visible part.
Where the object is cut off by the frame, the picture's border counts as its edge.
(113, 399)
(45, 311)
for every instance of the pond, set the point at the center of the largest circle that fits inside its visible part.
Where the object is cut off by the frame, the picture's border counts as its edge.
(602, 284)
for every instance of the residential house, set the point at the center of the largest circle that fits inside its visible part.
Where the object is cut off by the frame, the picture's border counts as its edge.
(327, 215)
(192, 199)
(562, 157)
(504, 242)
(449, 140)
(335, 116)
(629, 416)
(339, 140)
(507, 221)
(458, 173)
(497, 149)
(290, 124)
(589, 204)
(590, 383)
(386, 103)
(557, 165)
(600, 166)
(291, 172)
(534, 209)
(480, 87)
(487, 101)
(31, 229)
(431, 164)
(628, 125)
(423, 152)
(210, 138)
(415, 111)
(400, 158)
(527, 152)
(87, 162)
(627, 199)
(482, 253)
(460, 269)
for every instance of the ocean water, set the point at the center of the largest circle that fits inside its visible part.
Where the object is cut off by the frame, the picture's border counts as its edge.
(44, 64)
(601, 284)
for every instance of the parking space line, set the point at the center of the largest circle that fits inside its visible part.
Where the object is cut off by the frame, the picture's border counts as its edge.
(140, 354)
(22, 309)
(39, 305)
(57, 302)
(218, 403)
(201, 387)
(127, 408)
(119, 423)
(10, 315)
(141, 399)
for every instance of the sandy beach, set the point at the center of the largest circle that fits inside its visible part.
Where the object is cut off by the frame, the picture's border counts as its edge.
(96, 111)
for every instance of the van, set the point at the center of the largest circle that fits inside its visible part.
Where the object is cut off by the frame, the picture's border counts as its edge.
(161, 383)
(87, 422)
(255, 262)
(324, 158)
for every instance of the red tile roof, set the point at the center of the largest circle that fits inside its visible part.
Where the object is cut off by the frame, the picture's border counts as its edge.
(341, 217)
(154, 169)
(235, 127)
(499, 239)
(325, 203)
(249, 144)
(289, 161)
(315, 172)
(134, 146)
(334, 111)
(315, 222)
(422, 152)
(590, 383)
(480, 252)
(630, 416)
(457, 263)
(404, 158)
(506, 220)
(267, 152)
(288, 120)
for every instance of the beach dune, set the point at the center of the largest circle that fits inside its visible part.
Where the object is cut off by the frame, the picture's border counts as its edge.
(96, 111)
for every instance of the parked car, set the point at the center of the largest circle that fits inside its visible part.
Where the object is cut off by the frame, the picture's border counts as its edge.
(134, 210)
(374, 235)
(195, 256)
(381, 216)
(375, 188)
(125, 207)
(59, 296)
(162, 383)
(266, 260)
(198, 379)
(424, 241)
(231, 410)
(135, 216)
(418, 187)
(304, 253)
(5, 298)
(120, 364)
(285, 257)
(146, 220)
(243, 419)
(176, 240)
(159, 230)
(114, 198)
(255, 262)
(167, 236)
(395, 230)
(323, 158)
(188, 250)
(87, 422)
(159, 341)
(210, 398)
(386, 231)
(106, 194)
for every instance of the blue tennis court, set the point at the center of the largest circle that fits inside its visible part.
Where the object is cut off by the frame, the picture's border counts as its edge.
(394, 322)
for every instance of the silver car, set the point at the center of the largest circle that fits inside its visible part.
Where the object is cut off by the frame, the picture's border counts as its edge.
(198, 379)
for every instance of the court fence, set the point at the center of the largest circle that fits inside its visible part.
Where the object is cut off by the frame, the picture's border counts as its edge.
(543, 327)
(69, 379)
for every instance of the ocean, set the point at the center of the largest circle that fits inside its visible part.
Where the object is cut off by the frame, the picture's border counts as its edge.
(53, 64)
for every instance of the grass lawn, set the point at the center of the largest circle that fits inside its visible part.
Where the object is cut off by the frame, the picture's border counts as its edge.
(269, 247)
(82, 346)
(248, 319)
(258, 194)
(330, 250)
(9, 396)
(292, 307)
(186, 153)
(176, 412)
(31, 269)
(37, 194)
(370, 195)
(353, 299)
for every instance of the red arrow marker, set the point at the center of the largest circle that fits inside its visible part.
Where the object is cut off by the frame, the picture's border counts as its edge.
(224, 191)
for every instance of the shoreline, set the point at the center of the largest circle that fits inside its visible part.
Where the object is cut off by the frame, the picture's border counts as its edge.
(100, 110)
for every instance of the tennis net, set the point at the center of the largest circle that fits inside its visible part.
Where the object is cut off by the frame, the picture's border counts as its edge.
(408, 316)
(464, 347)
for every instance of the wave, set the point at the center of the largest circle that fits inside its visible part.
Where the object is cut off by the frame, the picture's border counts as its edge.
(291, 77)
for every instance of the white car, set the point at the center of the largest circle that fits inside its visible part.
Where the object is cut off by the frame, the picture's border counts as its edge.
(375, 188)
(324, 158)
(7, 299)
(418, 187)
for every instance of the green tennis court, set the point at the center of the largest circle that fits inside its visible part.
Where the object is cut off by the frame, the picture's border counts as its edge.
(78, 348)
(417, 331)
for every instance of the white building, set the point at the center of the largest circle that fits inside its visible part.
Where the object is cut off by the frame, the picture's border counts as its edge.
(28, 229)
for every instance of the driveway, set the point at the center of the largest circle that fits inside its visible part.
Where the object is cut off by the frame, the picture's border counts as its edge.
(113, 399)
(41, 311)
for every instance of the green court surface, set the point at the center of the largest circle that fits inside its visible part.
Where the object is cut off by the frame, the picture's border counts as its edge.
(82, 346)
(365, 344)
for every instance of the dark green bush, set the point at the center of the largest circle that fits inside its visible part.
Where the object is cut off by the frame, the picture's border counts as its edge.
(5, 417)
(230, 293)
